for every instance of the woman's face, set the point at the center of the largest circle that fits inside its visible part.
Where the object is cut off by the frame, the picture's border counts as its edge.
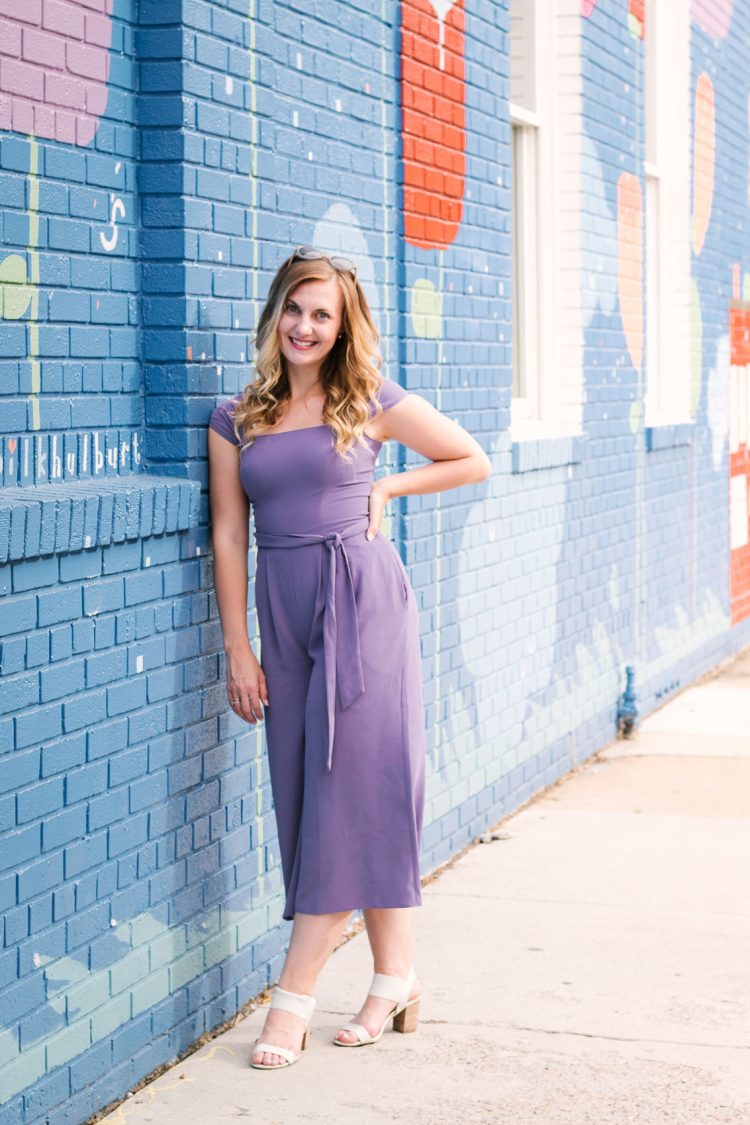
(310, 323)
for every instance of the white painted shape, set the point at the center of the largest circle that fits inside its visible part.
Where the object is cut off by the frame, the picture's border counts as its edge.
(738, 512)
(109, 242)
(229, 84)
(734, 400)
(717, 401)
(338, 231)
(139, 663)
(441, 9)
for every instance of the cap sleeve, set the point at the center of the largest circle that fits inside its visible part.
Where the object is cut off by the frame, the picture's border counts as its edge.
(222, 420)
(390, 393)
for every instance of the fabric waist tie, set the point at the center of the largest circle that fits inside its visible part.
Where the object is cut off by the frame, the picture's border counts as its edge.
(341, 646)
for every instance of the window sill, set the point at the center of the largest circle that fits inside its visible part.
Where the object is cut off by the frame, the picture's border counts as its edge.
(668, 435)
(51, 519)
(537, 447)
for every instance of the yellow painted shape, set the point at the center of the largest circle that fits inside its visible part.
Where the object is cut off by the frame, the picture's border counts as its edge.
(635, 417)
(15, 293)
(426, 310)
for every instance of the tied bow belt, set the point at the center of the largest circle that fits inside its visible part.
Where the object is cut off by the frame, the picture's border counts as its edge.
(343, 655)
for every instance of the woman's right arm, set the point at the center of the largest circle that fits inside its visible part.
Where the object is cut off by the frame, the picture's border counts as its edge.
(230, 516)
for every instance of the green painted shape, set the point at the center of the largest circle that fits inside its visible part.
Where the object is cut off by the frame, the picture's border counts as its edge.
(22, 1073)
(127, 971)
(15, 294)
(66, 1044)
(186, 968)
(86, 996)
(158, 962)
(150, 992)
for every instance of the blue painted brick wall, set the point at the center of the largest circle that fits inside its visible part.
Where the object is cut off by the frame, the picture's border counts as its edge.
(140, 886)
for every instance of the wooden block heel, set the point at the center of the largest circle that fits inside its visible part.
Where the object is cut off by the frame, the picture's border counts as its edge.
(406, 1020)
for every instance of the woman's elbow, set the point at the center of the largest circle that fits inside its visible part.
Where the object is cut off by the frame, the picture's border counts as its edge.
(481, 467)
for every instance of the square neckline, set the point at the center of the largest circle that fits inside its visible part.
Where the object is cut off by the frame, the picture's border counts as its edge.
(303, 429)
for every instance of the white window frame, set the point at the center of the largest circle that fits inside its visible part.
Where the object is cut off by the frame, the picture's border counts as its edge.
(526, 263)
(545, 121)
(667, 249)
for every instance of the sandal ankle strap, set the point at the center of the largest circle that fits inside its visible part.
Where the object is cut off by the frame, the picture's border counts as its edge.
(295, 1002)
(396, 989)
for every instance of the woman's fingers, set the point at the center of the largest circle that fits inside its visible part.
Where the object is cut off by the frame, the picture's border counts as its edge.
(377, 507)
(247, 702)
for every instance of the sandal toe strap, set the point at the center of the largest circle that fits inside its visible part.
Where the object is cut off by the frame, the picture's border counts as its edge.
(273, 1049)
(362, 1034)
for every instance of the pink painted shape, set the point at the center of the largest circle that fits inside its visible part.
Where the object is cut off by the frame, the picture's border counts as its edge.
(43, 48)
(587, 7)
(63, 67)
(28, 12)
(59, 16)
(712, 16)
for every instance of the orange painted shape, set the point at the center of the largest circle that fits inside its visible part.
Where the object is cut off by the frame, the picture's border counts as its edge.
(433, 124)
(638, 9)
(704, 159)
(630, 263)
(739, 335)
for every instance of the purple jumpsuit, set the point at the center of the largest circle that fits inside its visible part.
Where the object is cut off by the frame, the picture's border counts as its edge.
(339, 641)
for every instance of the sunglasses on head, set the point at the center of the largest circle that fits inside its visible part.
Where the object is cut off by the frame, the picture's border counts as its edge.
(338, 261)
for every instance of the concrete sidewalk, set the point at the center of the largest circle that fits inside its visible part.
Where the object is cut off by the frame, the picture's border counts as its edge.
(593, 967)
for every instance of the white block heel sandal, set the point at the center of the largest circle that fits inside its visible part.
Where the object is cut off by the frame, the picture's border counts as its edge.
(298, 1005)
(404, 1014)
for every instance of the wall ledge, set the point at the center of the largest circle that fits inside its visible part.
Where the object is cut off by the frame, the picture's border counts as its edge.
(669, 435)
(52, 519)
(545, 451)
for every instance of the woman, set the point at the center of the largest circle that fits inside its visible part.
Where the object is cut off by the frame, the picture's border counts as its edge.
(340, 687)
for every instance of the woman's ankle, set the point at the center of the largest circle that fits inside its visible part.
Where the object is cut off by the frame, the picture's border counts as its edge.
(300, 986)
(393, 968)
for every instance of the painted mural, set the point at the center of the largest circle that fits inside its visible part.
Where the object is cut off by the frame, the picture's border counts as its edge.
(145, 877)
(433, 96)
(53, 87)
(739, 459)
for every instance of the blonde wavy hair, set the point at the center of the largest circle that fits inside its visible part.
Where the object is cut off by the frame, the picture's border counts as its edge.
(350, 372)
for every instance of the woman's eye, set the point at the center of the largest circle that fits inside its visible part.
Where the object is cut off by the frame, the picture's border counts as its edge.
(324, 315)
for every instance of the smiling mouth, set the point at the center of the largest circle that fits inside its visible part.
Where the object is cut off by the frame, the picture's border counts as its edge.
(302, 345)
